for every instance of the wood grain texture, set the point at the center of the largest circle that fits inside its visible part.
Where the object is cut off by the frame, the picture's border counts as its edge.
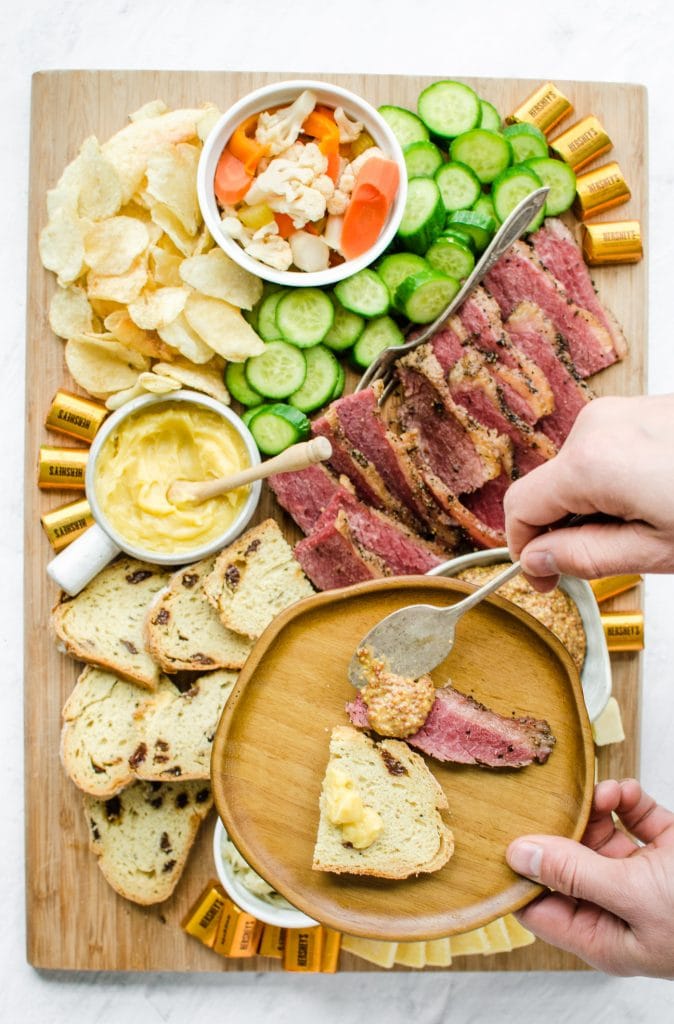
(74, 921)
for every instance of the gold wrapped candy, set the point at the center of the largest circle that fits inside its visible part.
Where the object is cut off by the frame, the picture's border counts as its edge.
(544, 108)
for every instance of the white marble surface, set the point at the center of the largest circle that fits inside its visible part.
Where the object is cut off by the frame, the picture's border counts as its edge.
(601, 40)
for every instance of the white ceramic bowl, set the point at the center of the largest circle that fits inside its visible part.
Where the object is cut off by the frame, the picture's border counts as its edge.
(596, 672)
(282, 917)
(281, 94)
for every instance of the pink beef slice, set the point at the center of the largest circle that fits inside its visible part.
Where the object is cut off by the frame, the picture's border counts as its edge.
(305, 493)
(447, 347)
(486, 505)
(331, 558)
(463, 731)
(519, 276)
(353, 464)
(536, 336)
(556, 248)
(399, 549)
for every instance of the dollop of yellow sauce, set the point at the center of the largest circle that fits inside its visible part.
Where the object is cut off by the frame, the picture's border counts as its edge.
(360, 824)
(151, 449)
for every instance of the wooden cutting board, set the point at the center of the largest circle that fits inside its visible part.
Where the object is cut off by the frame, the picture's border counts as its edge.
(74, 920)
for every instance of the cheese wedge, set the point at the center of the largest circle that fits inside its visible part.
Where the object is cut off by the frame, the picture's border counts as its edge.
(497, 937)
(411, 954)
(517, 933)
(471, 942)
(439, 953)
(608, 726)
(380, 953)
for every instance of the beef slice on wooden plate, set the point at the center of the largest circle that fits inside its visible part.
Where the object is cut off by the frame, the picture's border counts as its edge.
(103, 625)
(183, 631)
(143, 836)
(254, 579)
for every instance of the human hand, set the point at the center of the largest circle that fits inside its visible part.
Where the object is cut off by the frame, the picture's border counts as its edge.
(618, 460)
(613, 904)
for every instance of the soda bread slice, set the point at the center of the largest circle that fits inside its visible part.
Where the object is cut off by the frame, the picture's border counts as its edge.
(103, 625)
(113, 732)
(142, 837)
(184, 632)
(254, 579)
(394, 782)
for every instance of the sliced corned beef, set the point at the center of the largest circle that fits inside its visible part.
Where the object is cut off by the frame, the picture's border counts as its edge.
(305, 493)
(463, 731)
(399, 549)
(536, 336)
(486, 505)
(556, 248)
(457, 449)
(525, 388)
(520, 276)
(447, 345)
(348, 460)
(331, 558)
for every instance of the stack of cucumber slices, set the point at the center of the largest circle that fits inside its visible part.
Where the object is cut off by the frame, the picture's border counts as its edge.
(466, 174)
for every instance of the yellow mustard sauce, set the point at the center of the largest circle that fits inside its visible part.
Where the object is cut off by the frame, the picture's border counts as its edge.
(143, 457)
(360, 824)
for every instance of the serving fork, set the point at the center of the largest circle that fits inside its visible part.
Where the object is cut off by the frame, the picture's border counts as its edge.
(382, 368)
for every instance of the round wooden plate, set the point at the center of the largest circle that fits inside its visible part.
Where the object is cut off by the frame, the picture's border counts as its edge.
(271, 750)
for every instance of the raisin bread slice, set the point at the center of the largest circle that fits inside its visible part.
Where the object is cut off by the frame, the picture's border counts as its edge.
(103, 625)
(143, 836)
(183, 631)
(113, 732)
(397, 784)
(254, 579)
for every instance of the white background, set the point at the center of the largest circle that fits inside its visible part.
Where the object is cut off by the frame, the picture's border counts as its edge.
(578, 39)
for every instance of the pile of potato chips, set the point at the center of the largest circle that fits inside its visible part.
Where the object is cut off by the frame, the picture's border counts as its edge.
(145, 302)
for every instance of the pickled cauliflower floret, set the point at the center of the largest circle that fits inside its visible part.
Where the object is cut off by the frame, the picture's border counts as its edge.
(233, 227)
(396, 706)
(269, 248)
(348, 130)
(338, 202)
(278, 131)
(298, 186)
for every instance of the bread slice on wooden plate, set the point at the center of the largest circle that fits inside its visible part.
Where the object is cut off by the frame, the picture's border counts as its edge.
(113, 732)
(183, 631)
(254, 579)
(143, 836)
(103, 625)
(396, 784)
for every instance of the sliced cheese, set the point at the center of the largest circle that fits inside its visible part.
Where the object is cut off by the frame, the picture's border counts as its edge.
(380, 953)
(608, 726)
(497, 937)
(471, 942)
(411, 954)
(517, 933)
(439, 953)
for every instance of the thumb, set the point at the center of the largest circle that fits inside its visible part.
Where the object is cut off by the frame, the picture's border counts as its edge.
(590, 551)
(571, 869)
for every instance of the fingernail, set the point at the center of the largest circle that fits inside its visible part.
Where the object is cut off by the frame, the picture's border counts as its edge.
(540, 563)
(525, 858)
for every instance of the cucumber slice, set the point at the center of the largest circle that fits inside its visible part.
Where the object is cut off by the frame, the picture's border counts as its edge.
(459, 186)
(395, 268)
(511, 187)
(304, 316)
(449, 108)
(451, 257)
(365, 293)
(461, 235)
(489, 117)
(320, 381)
(477, 225)
(278, 371)
(527, 141)
(266, 317)
(485, 205)
(560, 179)
(381, 333)
(340, 383)
(422, 159)
(423, 217)
(487, 153)
(346, 329)
(405, 125)
(423, 296)
(238, 386)
(276, 427)
(248, 414)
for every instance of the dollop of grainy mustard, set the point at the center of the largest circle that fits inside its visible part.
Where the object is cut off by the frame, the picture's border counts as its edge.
(396, 706)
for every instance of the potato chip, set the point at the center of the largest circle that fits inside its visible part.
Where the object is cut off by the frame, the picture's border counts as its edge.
(62, 245)
(124, 330)
(179, 335)
(152, 109)
(120, 287)
(155, 309)
(206, 378)
(208, 121)
(151, 383)
(111, 246)
(107, 344)
(70, 312)
(204, 242)
(222, 327)
(168, 222)
(172, 180)
(104, 307)
(217, 275)
(101, 367)
(165, 267)
(130, 149)
(100, 193)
